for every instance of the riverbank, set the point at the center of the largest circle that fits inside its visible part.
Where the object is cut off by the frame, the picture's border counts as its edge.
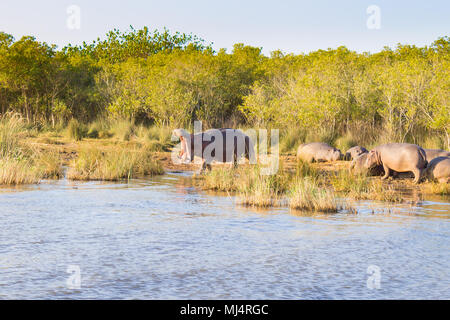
(333, 174)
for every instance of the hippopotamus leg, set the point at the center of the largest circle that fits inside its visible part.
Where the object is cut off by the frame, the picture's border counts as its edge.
(387, 172)
(418, 174)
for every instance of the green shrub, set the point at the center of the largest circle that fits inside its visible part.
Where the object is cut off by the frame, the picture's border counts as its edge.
(76, 130)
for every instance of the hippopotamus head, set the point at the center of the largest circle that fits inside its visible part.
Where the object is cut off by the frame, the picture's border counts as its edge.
(336, 155)
(373, 159)
(186, 153)
(354, 152)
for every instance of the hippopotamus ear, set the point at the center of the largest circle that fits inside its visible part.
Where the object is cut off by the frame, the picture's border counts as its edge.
(374, 154)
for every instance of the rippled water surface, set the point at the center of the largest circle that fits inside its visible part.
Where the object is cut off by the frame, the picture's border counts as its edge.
(161, 238)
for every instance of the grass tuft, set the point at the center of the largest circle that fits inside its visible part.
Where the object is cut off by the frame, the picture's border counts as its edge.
(75, 130)
(113, 165)
(307, 195)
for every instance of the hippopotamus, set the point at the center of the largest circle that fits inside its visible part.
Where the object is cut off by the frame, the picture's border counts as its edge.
(434, 153)
(354, 152)
(222, 145)
(400, 157)
(439, 169)
(358, 165)
(318, 151)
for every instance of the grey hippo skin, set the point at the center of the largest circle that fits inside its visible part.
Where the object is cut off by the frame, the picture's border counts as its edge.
(354, 152)
(439, 169)
(358, 165)
(400, 157)
(434, 153)
(318, 151)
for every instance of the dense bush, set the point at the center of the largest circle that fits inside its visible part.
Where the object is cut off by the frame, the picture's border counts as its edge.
(398, 94)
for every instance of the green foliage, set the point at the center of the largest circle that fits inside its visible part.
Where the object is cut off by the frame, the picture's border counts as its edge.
(76, 130)
(172, 79)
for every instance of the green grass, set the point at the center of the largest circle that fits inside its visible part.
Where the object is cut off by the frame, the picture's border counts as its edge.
(12, 129)
(113, 165)
(290, 139)
(305, 169)
(18, 163)
(123, 129)
(307, 195)
(256, 190)
(359, 186)
(15, 171)
(75, 130)
(345, 142)
(49, 164)
(442, 189)
(353, 185)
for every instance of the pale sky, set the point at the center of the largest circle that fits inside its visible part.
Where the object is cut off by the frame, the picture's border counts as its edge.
(288, 25)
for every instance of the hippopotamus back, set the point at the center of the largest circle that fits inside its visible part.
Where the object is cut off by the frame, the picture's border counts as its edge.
(434, 153)
(318, 151)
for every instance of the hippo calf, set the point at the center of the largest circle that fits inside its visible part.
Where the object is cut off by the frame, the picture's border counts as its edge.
(400, 157)
(434, 153)
(439, 169)
(318, 151)
(354, 152)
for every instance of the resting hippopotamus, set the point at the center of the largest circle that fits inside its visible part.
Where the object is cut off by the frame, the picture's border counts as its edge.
(222, 145)
(318, 151)
(400, 157)
(354, 152)
(439, 169)
(358, 165)
(434, 153)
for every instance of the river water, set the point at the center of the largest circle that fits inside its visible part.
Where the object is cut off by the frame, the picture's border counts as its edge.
(161, 238)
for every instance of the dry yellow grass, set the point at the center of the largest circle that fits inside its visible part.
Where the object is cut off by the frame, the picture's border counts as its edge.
(14, 172)
(307, 195)
(112, 165)
(261, 193)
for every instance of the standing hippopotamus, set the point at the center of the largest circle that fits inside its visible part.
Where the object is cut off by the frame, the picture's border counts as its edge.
(354, 152)
(358, 165)
(221, 145)
(318, 151)
(439, 169)
(434, 153)
(401, 157)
